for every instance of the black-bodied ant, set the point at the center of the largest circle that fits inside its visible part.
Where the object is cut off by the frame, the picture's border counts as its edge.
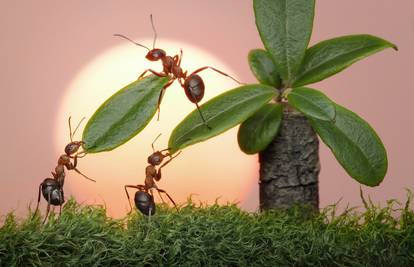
(192, 84)
(52, 188)
(144, 197)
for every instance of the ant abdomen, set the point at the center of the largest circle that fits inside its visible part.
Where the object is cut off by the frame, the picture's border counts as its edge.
(144, 202)
(194, 88)
(52, 192)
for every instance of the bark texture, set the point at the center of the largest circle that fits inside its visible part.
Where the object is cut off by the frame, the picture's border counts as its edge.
(289, 166)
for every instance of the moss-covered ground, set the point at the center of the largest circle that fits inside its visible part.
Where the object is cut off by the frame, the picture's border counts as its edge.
(216, 235)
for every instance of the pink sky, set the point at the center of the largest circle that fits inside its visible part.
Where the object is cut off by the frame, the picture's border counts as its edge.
(45, 44)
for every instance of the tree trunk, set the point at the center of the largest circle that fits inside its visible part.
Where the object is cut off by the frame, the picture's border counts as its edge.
(289, 166)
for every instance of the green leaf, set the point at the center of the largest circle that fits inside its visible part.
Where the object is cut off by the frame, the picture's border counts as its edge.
(221, 113)
(123, 115)
(355, 145)
(331, 56)
(258, 131)
(263, 67)
(312, 103)
(285, 27)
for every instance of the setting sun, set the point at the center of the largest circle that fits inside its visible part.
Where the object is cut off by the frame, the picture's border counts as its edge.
(207, 171)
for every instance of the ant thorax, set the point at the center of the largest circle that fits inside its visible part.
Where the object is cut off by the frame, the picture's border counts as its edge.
(64, 160)
(60, 178)
(150, 173)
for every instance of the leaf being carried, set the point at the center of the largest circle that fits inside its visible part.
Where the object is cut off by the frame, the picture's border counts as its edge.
(221, 114)
(332, 56)
(312, 103)
(355, 145)
(123, 115)
(285, 27)
(258, 131)
(263, 67)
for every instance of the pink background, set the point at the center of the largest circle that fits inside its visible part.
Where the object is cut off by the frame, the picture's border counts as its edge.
(45, 43)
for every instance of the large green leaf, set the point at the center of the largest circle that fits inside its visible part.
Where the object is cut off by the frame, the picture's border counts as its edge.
(258, 131)
(312, 103)
(331, 56)
(355, 145)
(221, 113)
(263, 67)
(123, 115)
(285, 27)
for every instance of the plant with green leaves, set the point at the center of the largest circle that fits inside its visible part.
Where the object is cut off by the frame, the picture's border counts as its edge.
(284, 68)
(278, 115)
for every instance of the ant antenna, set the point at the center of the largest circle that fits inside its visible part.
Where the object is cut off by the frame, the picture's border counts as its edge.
(70, 128)
(155, 32)
(123, 36)
(176, 155)
(152, 145)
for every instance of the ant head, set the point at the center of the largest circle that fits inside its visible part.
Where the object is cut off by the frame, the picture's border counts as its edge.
(156, 158)
(155, 54)
(73, 147)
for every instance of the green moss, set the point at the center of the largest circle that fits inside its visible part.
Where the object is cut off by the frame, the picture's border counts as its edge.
(200, 235)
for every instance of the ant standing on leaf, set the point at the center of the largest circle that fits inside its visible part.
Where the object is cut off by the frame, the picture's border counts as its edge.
(52, 188)
(144, 197)
(192, 84)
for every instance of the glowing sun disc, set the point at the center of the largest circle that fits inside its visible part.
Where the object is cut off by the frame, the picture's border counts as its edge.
(212, 169)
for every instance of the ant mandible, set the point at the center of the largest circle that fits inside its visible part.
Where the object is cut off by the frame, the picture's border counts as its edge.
(52, 188)
(192, 84)
(144, 197)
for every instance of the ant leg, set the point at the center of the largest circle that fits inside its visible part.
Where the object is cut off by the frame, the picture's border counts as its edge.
(47, 213)
(151, 192)
(159, 74)
(165, 192)
(161, 197)
(177, 59)
(48, 208)
(196, 103)
(202, 117)
(38, 201)
(75, 161)
(171, 158)
(73, 167)
(219, 71)
(158, 176)
(160, 97)
(60, 204)
(76, 170)
(126, 191)
(181, 57)
(81, 154)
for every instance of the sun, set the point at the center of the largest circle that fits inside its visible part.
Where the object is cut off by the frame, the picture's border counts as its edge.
(215, 169)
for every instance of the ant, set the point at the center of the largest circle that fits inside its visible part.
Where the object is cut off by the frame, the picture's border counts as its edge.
(52, 188)
(144, 201)
(192, 84)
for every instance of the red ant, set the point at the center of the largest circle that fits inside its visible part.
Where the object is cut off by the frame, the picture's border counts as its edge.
(192, 84)
(144, 201)
(52, 188)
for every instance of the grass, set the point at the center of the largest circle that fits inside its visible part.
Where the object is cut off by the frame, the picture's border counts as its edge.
(200, 235)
